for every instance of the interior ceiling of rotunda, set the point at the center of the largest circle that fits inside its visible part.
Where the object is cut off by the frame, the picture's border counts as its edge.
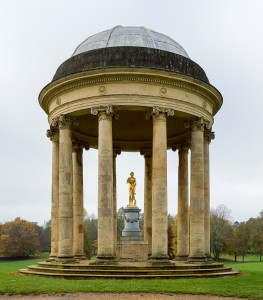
(131, 131)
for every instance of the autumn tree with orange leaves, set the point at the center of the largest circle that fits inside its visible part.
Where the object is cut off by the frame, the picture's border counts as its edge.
(19, 238)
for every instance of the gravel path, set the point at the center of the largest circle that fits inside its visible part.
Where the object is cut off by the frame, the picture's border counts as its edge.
(116, 296)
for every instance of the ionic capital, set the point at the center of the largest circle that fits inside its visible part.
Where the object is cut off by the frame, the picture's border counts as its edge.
(64, 122)
(116, 151)
(159, 113)
(147, 153)
(197, 124)
(183, 147)
(53, 135)
(104, 112)
(78, 147)
(208, 136)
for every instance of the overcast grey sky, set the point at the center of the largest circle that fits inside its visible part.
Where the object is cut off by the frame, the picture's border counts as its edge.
(224, 37)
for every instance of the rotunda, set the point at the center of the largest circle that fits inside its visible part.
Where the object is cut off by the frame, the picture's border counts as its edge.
(130, 89)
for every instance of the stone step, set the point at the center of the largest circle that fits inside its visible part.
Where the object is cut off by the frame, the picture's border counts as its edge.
(137, 271)
(132, 266)
(77, 275)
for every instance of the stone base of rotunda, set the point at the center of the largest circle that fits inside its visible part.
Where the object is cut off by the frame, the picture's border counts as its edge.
(86, 269)
(104, 260)
(160, 260)
(181, 258)
(198, 260)
(132, 248)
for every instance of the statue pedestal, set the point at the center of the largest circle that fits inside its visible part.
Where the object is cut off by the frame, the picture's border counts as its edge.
(131, 222)
(131, 246)
(132, 249)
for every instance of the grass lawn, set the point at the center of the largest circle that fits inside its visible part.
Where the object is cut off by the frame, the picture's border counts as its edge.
(250, 286)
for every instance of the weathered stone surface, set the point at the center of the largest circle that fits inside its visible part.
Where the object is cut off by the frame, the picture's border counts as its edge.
(182, 213)
(130, 57)
(159, 188)
(132, 249)
(131, 222)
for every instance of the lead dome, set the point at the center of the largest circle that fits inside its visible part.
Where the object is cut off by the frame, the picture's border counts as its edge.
(130, 36)
(130, 46)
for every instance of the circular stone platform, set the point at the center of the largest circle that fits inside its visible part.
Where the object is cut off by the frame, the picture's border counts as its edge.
(129, 270)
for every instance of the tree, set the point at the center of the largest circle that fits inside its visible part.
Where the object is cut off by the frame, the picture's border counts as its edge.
(232, 247)
(257, 235)
(46, 237)
(170, 242)
(19, 238)
(87, 245)
(90, 232)
(174, 230)
(220, 231)
(243, 238)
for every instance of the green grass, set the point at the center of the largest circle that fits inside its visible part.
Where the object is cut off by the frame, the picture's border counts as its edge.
(250, 286)
(248, 258)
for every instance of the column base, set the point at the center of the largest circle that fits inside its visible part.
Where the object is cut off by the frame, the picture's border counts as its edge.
(181, 258)
(104, 260)
(160, 260)
(209, 258)
(66, 260)
(80, 256)
(197, 260)
(51, 258)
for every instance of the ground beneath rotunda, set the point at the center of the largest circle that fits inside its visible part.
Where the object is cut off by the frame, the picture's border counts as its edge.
(118, 296)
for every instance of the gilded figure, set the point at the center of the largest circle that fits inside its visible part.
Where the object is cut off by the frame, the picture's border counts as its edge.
(132, 184)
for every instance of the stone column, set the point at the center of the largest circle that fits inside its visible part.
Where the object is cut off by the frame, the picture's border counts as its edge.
(106, 249)
(208, 136)
(197, 249)
(65, 245)
(147, 228)
(78, 222)
(182, 214)
(54, 137)
(159, 185)
(116, 151)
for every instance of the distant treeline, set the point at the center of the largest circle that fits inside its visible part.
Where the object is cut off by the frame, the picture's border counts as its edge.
(21, 238)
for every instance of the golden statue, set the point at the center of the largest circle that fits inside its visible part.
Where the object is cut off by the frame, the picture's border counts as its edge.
(132, 184)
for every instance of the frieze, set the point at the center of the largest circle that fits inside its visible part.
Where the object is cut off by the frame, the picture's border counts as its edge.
(187, 85)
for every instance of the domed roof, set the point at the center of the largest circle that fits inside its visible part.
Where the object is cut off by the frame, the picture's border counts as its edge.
(132, 47)
(130, 36)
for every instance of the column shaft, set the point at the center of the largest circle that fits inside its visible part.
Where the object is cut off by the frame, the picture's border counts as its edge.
(78, 224)
(148, 201)
(159, 188)
(182, 214)
(114, 203)
(197, 252)
(55, 194)
(65, 251)
(106, 249)
(207, 139)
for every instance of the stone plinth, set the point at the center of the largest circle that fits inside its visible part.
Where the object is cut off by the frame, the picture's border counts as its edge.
(131, 222)
(132, 248)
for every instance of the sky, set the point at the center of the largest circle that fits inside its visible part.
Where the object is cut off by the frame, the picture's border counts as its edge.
(224, 37)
